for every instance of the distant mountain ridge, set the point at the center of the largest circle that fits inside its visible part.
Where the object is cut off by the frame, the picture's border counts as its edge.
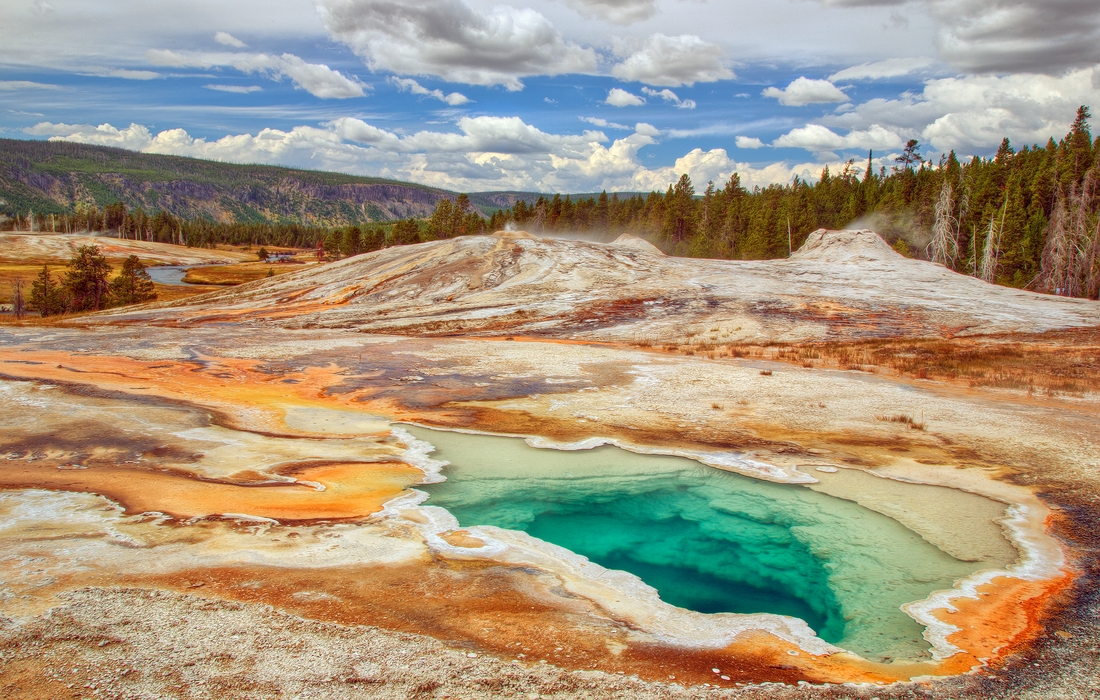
(57, 177)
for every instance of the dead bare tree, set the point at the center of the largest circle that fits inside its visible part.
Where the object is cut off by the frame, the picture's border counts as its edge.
(992, 251)
(1057, 252)
(1092, 265)
(1070, 256)
(19, 304)
(1080, 240)
(540, 217)
(944, 246)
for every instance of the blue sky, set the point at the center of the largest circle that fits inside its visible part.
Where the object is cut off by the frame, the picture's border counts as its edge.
(569, 95)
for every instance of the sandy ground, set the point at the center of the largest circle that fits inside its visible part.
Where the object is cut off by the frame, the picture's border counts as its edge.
(58, 248)
(337, 607)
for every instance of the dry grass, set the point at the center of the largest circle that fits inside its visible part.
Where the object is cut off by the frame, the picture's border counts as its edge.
(903, 418)
(228, 275)
(1056, 363)
(10, 272)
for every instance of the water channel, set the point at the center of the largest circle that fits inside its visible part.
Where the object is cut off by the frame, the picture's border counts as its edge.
(171, 275)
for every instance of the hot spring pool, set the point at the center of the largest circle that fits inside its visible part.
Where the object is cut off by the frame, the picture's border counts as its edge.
(707, 540)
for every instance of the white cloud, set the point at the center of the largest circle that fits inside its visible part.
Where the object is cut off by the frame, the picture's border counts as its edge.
(486, 153)
(498, 135)
(240, 89)
(822, 140)
(617, 97)
(604, 124)
(804, 91)
(451, 40)
(11, 85)
(890, 68)
(315, 78)
(674, 61)
(616, 11)
(749, 142)
(227, 39)
(124, 73)
(971, 114)
(134, 137)
(670, 96)
(409, 85)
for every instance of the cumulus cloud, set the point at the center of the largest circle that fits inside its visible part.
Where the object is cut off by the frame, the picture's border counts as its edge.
(315, 78)
(616, 11)
(227, 39)
(971, 114)
(673, 61)
(822, 140)
(499, 135)
(485, 153)
(11, 85)
(617, 97)
(451, 40)
(749, 142)
(997, 36)
(409, 85)
(239, 89)
(670, 96)
(890, 68)
(804, 91)
(134, 137)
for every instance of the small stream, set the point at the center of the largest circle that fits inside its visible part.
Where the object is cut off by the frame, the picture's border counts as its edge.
(171, 275)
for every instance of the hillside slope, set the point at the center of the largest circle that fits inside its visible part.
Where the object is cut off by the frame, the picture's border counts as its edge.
(840, 285)
(55, 177)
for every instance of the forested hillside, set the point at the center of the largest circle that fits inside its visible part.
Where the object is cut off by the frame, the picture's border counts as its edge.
(48, 177)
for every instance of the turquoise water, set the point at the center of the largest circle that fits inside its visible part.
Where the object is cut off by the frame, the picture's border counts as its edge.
(707, 540)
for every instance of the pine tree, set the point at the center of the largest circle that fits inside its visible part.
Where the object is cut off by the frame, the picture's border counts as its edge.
(86, 279)
(47, 297)
(679, 220)
(132, 285)
(603, 211)
(1079, 142)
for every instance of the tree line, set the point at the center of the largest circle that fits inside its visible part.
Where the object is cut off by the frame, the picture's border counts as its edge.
(163, 227)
